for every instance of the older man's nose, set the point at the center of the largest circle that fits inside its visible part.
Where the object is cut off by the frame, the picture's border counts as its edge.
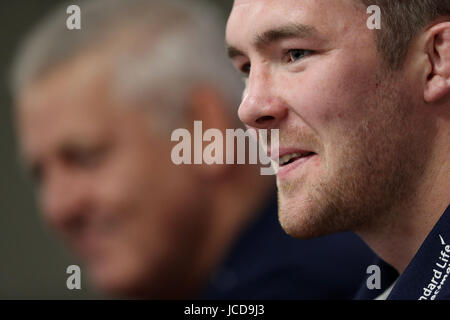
(64, 202)
(261, 107)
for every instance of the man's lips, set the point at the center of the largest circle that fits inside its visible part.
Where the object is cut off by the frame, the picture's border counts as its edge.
(288, 160)
(87, 244)
(284, 156)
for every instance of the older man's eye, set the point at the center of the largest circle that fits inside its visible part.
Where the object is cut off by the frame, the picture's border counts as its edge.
(36, 172)
(87, 158)
(297, 54)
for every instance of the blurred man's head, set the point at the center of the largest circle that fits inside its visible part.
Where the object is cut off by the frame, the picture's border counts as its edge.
(363, 114)
(95, 111)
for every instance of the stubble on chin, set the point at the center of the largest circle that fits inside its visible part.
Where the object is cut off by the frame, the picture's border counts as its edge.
(377, 167)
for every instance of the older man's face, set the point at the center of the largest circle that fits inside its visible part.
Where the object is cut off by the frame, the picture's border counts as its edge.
(106, 182)
(351, 128)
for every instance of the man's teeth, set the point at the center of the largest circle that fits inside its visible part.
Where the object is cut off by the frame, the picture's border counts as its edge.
(287, 158)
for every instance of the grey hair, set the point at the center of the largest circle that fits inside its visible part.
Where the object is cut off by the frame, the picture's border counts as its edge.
(179, 43)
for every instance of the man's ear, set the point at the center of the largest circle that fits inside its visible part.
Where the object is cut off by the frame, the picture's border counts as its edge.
(438, 50)
(205, 103)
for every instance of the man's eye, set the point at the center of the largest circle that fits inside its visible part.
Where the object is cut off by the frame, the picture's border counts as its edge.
(245, 69)
(36, 173)
(88, 159)
(297, 54)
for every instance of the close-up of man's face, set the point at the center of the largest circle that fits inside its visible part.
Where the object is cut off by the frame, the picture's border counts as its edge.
(353, 141)
(105, 180)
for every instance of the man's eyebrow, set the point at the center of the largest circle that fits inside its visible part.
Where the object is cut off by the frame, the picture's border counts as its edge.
(234, 52)
(284, 32)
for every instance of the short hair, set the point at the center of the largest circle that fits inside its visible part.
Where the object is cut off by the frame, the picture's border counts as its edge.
(179, 44)
(402, 20)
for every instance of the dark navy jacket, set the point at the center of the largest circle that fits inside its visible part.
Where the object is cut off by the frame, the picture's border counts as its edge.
(265, 263)
(427, 275)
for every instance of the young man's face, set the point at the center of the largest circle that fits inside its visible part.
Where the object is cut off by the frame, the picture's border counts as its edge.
(352, 128)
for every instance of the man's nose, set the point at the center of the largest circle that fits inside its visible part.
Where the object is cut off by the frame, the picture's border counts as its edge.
(261, 106)
(64, 201)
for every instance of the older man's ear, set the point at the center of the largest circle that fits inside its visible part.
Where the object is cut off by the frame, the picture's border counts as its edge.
(438, 49)
(207, 104)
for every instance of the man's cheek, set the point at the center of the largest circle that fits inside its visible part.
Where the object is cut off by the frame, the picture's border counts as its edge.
(120, 209)
(315, 98)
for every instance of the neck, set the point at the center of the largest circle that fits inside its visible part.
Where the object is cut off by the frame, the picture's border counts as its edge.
(397, 239)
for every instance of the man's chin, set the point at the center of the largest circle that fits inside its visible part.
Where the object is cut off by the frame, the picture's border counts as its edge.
(294, 222)
(305, 218)
(117, 280)
(300, 229)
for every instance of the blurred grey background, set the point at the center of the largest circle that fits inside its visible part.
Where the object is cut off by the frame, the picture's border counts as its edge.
(32, 264)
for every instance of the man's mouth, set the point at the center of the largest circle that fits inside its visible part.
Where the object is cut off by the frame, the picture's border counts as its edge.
(292, 157)
(290, 160)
